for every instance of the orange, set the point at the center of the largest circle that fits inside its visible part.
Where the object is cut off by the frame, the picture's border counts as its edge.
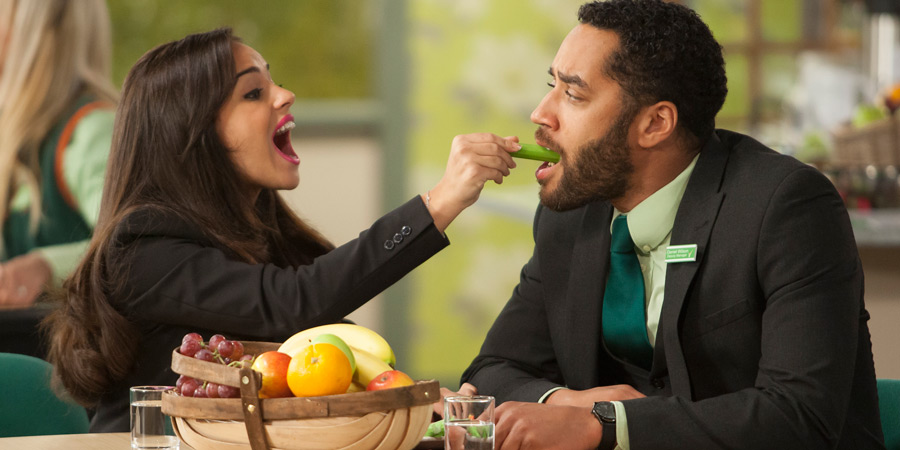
(894, 94)
(320, 369)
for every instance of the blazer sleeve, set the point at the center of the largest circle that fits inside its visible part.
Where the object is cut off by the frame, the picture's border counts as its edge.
(517, 361)
(180, 281)
(810, 285)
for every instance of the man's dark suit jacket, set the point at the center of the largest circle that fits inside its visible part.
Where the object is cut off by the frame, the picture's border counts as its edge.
(763, 342)
(179, 282)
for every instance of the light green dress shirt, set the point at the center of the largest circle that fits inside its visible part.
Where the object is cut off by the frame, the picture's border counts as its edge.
(650, 224)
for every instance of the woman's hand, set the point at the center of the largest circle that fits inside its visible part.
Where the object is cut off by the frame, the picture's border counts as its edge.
(474, 159)
(22, 279)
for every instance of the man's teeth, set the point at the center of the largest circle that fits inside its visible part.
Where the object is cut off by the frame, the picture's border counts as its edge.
(288, 126)
(550, 164)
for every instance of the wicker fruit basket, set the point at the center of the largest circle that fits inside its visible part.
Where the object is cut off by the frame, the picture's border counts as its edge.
(385, 420)
(877, 143)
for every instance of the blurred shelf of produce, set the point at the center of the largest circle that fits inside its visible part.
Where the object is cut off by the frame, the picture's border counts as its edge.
(876, 227)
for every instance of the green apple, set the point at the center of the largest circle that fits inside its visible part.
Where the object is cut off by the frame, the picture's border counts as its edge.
(332, 339)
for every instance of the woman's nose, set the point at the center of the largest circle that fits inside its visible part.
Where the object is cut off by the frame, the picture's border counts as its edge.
(283, 98)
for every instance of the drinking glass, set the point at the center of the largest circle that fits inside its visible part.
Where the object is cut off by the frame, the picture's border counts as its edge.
(469, 423)
(150, 428)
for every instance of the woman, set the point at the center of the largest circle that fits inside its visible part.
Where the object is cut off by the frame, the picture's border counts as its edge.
(193, 237)
(56, 118)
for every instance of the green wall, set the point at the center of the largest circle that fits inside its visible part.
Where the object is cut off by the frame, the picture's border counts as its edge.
(320, 49)
(477, 66)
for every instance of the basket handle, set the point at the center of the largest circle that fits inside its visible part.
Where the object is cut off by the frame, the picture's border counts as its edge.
(252, 408)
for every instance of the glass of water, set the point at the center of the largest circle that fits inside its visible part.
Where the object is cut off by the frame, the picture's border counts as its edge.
(469, 423)
(150, 428)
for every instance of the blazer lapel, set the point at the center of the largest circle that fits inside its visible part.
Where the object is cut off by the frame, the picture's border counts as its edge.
(588, 277)
(693, 224)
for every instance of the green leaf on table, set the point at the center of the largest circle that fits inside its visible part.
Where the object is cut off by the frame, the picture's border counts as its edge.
(435, 429)
(482, 432)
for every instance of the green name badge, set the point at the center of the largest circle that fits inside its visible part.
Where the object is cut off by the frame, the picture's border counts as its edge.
(681, 253)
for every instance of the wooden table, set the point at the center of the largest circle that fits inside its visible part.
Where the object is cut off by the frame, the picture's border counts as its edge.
(98, 441)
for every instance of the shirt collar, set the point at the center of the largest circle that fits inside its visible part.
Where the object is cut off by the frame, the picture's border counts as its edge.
(651, 221)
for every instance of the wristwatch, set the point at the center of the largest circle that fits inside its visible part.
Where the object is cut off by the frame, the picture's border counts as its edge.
(605, 412)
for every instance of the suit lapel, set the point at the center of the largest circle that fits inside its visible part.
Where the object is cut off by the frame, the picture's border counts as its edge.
(590, 258)
(693, 225)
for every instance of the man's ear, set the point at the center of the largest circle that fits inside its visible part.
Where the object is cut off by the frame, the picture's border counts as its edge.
(656, 123)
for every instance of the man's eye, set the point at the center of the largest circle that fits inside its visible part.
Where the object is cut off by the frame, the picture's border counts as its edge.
(572, 96)
(254, 94)
(552, 84)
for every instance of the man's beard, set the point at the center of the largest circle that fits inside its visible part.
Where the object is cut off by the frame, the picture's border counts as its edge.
(600, 171)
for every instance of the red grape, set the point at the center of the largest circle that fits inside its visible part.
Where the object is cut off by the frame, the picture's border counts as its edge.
(228, 391)
(204, 355)
(200, 392)
(225, 348)
(192, 337)
(214, 341)
(238, 350)
(189, 348)
(219, 350)
(212, 390)
(190, 386)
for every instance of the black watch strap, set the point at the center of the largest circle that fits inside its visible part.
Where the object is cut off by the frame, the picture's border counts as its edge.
(605, 412)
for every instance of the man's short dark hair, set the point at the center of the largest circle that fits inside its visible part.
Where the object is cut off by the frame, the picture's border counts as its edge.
(666, 53)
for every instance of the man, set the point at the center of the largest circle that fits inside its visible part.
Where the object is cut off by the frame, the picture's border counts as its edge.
(751, 329)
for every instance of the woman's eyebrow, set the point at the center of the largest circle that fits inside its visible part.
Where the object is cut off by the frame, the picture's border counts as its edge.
(249, 70)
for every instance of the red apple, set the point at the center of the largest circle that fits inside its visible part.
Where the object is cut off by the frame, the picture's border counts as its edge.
(390, 379)
(273, 367)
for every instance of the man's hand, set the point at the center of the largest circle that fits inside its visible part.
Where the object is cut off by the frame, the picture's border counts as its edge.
(22, 279)
(465, 390)
(586, 398)
(542, 426)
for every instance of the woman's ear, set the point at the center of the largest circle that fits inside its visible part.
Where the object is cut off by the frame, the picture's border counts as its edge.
(656, 123)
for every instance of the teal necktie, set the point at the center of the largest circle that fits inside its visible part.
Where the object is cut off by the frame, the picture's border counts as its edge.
(624, 316)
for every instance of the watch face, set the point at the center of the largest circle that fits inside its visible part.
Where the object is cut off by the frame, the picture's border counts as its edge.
(605, 411)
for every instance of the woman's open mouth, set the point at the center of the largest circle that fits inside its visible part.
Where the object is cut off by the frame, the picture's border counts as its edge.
(282, 139)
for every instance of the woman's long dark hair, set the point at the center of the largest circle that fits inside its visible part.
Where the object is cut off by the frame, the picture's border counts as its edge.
(166, 156)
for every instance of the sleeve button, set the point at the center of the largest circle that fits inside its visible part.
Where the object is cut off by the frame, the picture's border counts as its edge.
(406, 230)
(398, 238)
(389, 245)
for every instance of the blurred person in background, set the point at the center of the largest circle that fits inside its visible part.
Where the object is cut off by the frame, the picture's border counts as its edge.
(193, 235)
(56, 118)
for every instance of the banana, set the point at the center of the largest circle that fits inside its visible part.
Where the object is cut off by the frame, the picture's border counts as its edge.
(355, 336)
(355, 387)
(368, 366)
